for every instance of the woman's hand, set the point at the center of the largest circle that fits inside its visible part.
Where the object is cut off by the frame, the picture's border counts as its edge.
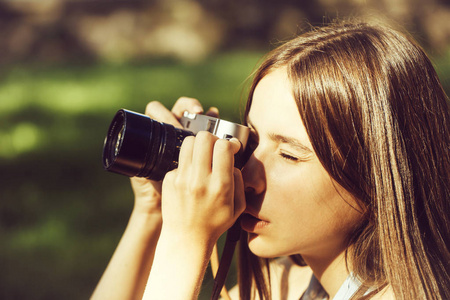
(147, 192)
(205, 195)
(201, 199)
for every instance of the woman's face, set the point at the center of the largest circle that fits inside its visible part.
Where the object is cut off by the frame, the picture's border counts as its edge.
(293, 205)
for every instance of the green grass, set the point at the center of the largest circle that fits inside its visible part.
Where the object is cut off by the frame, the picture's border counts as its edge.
(61, 215)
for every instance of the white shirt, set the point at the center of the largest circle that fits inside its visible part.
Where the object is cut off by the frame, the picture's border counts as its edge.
(289, 281)
(315, 290)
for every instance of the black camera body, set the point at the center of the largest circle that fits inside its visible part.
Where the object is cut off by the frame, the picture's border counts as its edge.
(137, 145)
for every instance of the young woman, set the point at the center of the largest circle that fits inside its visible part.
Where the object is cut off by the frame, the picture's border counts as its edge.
(349, 178)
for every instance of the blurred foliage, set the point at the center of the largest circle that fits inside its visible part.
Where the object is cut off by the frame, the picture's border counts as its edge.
(61, 215)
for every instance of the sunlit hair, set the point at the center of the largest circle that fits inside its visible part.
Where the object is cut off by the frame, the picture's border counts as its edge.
(378, 120)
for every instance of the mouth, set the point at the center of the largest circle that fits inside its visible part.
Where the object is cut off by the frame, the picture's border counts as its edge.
(251, 223)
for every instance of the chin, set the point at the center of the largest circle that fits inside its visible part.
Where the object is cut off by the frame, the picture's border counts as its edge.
(263, 249)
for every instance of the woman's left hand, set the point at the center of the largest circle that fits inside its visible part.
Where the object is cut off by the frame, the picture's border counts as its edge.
(204, 196)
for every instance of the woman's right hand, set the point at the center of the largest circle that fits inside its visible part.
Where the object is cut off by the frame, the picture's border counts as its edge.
(148, 192)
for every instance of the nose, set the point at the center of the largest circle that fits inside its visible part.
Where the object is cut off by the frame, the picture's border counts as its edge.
(253, 174)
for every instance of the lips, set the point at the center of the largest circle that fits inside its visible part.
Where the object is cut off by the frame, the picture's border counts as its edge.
(251, 223)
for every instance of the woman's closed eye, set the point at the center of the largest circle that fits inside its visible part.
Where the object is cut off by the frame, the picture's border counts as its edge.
(289, 157)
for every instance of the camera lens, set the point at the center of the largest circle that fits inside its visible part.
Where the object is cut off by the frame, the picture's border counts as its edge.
(137, 145)
(118, 141)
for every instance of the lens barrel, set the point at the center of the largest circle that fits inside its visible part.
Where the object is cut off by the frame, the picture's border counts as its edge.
(137, 145)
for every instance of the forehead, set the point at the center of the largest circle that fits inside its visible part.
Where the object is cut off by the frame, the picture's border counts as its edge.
(273, 93)
(274, 109)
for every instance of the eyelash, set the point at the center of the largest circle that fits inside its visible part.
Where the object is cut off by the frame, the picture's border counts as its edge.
(253, 142)
(289, 157)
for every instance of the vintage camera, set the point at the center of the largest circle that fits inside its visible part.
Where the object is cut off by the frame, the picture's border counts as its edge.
(137, 145)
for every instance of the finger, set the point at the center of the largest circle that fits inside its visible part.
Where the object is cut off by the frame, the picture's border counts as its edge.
(185, 156)
(203, 152)
(142, 187)
(223, 156)
(213, 112)
(236, 144)
(186, 104)
(239, 195)
(156, 110)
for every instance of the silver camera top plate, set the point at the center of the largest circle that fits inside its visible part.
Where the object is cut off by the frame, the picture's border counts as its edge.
(220, 128)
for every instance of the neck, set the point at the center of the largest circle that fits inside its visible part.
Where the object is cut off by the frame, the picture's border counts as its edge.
(330, 271)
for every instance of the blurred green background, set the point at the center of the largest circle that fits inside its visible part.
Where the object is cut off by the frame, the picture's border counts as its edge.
(67, 66)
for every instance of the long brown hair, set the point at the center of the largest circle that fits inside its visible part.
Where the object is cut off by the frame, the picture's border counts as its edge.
(378, 120)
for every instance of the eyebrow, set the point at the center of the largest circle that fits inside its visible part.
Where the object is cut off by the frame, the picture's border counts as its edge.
(295, 143)
(290, 141)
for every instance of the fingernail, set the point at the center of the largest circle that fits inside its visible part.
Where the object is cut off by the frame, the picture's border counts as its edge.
(236, 141)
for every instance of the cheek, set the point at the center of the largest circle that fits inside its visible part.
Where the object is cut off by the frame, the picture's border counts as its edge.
(287, 194)
(307, 209)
